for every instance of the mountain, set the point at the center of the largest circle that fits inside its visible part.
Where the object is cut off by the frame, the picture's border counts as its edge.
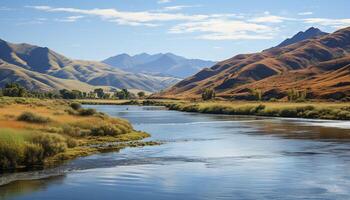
(40, 68)
(303, 35)
(166, 64)
(319, 66)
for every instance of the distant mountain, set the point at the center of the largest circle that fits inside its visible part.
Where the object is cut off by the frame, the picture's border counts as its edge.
(319, 66)
(166, 64)
(303, 35)
(43, 69)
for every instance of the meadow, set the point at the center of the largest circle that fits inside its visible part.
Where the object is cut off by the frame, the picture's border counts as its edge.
(36, 133)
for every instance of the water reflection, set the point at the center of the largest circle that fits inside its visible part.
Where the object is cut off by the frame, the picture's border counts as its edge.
(19, 188)
(294, 129)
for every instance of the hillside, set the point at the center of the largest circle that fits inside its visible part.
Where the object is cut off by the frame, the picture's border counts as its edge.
(319, 65)
(40, 68)
(162, 64)
(303, 35)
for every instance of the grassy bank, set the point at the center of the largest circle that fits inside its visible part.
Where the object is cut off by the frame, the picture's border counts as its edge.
(38, 133)
(310, 110)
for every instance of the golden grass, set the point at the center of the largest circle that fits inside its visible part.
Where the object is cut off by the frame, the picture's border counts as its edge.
(315, 110)
(74, 131)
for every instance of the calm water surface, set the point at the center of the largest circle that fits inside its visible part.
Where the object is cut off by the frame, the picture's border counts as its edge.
(205, 157)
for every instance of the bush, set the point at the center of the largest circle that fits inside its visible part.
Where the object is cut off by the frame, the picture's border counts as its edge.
(33, 118)
(33, 154)
(75, 105)
(105, 129)
(208, 94)
(51, 143)
(87, 112)
(11, 155)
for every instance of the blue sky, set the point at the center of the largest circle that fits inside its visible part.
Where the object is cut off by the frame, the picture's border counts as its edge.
(207, 29)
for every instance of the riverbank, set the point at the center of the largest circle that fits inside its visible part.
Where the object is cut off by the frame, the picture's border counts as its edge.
(36, 133)
(309, 110)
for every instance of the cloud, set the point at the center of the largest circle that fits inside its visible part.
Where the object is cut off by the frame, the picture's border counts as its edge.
(179, 7)
(268, 18)
(126, 18)
(164, 1)
(305, 13)
(70, 18)
(335, 23)
(3, 8)
(224, 29)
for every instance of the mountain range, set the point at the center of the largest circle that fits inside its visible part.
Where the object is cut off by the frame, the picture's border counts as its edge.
(317, 64)
(40, 68)
(159, 64)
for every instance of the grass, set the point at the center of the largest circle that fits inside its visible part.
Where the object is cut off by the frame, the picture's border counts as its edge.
(39, 133)
(312, 110)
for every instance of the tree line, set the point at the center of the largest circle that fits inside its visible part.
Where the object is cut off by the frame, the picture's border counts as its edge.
(17, 90)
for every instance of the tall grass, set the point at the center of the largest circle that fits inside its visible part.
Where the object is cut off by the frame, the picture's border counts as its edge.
(33, 118)
(48, 130)
(26, 148)
(293, 110)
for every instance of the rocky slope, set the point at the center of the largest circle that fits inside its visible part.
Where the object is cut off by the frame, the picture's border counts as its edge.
(40, 68)
(319, 65)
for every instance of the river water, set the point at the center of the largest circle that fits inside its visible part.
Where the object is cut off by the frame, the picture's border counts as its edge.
(205, 157)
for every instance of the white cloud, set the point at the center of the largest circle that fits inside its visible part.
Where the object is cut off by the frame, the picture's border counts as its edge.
(225, 29)
(335, 23)
(70, 18)
(121, 17)
(164, 1)
(217, 26)
(305, 13)
(178, 7)
(269, 19)
(3, 8)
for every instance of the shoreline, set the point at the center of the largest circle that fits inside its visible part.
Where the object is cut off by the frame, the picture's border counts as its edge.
(52, 133)
(304, 110)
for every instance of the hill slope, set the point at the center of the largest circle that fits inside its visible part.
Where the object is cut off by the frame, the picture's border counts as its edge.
(27, 63)
(303, 35)
(166, 64)
(298, 66)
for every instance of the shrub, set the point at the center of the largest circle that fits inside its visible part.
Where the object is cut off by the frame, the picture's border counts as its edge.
(208, 94)
(33, 118)
(75, 105)
(106, 129)
(10, 155)
(288, 112)
(33, 154)
(51, 143)
(87, 112)
(71, 143)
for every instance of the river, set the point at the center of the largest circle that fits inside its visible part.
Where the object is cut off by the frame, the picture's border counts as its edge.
(205, 157)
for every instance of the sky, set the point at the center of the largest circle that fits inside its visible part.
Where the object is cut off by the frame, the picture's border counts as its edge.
(205, 29)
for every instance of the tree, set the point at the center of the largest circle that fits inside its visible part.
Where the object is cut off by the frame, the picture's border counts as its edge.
(106, 96)
(141, 94)
(14, 90)
(99, 92)
(122, 94)
(257, 93)
(74, 94)
(208, 94)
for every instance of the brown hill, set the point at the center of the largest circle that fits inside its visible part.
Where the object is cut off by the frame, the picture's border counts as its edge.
(319, 65)
(40, 68)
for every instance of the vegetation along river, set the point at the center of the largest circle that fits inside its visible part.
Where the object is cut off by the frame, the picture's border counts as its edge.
(204, 157)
